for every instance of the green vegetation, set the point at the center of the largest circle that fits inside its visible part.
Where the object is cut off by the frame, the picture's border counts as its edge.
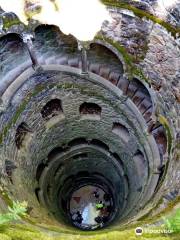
(142, 13)
(99, 205)
(26, 232)
(173, 222)
(148, 218)
(130, 61)
(165, 124)
(20, 109)
(8, 23)
(4, 196)
(17, 211)
(122, 50)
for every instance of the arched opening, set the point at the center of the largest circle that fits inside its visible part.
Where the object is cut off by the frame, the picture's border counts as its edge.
(90, 110)
(52, 109)
(39, 170)
(22, 131)
(56, 34)
(104, 62)
(121, 131)
(54, 153)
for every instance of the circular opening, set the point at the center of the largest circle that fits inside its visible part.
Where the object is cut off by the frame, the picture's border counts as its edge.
(90, 207)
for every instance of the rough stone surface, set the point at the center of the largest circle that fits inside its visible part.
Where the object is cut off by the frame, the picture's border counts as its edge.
(143, 44)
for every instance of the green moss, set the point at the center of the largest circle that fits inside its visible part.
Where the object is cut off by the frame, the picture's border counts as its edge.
(13, 120)
(33, 232)
(36, 91)
(25, 232)
(24, 103)
(39, 88)
(148, 218)
(130, 61)
(67, 85)
(4, 237)
(139, 73)
(165, 124)
(14, 213)
(19, 111)
(142, 13)
(173, 222)
(5, 197)
(22, 233)
(127, 58)
(7, 23)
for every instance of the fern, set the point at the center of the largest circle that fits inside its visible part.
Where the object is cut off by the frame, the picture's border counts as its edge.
(15, 212)
(173, 222)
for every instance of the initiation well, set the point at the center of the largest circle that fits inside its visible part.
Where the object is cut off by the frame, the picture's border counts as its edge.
(73, 142)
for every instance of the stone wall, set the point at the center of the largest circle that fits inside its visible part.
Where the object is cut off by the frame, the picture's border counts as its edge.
(149, 52)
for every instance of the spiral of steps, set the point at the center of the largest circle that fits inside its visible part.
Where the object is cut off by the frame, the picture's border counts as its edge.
(64, 130)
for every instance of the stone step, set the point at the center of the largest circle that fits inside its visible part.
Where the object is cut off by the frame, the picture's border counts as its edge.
(123, 85)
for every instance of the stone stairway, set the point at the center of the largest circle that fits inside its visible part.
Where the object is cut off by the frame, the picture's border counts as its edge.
(101, 61)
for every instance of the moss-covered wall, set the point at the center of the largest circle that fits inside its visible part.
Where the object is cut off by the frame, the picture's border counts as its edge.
(141, 62)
